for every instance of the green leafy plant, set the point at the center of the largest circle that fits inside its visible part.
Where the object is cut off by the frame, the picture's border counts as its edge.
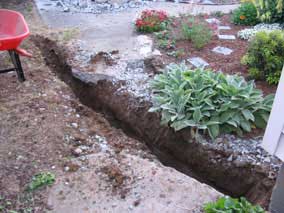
(208, 101)
(40, 180)
(265, 56)
(230, 205)
(177, 53)
(167, 44)
(218, 14)
(152, 21)
(270, 10)
(246, 14)
(198, 33)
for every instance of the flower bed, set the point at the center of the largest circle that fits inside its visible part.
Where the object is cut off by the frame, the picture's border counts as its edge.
(151, 21)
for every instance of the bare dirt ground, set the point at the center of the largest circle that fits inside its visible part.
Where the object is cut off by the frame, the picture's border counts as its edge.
(98, 168)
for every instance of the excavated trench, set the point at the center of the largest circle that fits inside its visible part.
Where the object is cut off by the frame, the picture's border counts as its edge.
(206, 162)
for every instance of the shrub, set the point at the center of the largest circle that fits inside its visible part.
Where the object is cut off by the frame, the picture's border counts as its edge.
(227, 204)
(270, 10)
(199, 33)
(265, 56)
(246, 14)
(213, 102)
(152, 21)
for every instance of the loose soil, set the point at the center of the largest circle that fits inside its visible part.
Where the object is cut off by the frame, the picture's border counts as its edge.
(228, 64)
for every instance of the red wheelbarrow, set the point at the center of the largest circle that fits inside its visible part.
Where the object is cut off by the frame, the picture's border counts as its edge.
(13, 30)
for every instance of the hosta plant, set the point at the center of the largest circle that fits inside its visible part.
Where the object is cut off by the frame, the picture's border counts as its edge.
(208, 101)
(230, 205)
(152, 21)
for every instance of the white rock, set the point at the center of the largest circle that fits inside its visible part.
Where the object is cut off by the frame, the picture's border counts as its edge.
(227, 37)
(198, 62)
(224, 27)
(222, 50)
(212, 20)
(75, 125)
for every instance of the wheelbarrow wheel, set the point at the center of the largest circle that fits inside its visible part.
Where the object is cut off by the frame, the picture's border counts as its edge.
(17, 64)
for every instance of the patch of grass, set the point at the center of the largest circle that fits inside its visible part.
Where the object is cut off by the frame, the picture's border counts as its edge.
(40, 180)
(68, 34)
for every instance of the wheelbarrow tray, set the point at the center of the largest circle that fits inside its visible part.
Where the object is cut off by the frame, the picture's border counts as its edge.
(13, 29)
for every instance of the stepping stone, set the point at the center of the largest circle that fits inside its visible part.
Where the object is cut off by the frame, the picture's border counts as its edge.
(222, 50)
(224, 27)
(207, 2)
(212, 21)
(198, 62)
(227, 37)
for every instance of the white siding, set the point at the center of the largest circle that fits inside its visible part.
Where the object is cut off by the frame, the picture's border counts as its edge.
(273, 140)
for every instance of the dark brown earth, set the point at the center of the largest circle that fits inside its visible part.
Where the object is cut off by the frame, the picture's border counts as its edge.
(42, 123)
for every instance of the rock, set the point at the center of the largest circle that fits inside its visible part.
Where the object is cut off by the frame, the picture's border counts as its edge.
(222, 50)
(77, 151)
(198, 62)
(66, 9)
(75, 125)
(224, 27)
(154, 64)
(227, 37)
(267, 160)
(212, 21)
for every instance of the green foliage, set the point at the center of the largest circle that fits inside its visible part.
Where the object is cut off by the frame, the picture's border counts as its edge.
(265, 56)
(218, 14)
(40, 180)
(212, 102)
(198, 33)
(177, 53)
(270, 10)
(167, 44)
(246, 14)
(230, 205)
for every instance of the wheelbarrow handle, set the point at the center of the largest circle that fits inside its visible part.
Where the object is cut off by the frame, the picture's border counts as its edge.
(23, 52)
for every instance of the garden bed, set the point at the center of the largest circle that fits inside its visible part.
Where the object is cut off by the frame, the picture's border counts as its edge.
(236, 166)
(230, 64)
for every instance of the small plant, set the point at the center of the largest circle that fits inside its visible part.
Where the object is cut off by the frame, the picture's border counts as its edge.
(230, 205)
(246, 14)
(177, 53)
(265, 56)
(152, 21)
(218, 14)
(199, 33)
(208, 101)
(167, 44)
(40, 180)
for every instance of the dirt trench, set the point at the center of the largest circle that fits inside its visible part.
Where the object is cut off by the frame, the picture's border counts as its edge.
(205, 162)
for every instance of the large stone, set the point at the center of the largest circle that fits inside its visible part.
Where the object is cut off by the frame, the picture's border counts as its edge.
(222, 50)
(227, 37)
(132, 185)
(212, 21)
(198, 62)
(224, 27)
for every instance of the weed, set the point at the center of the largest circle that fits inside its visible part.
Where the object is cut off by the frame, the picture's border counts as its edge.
(40, 180)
